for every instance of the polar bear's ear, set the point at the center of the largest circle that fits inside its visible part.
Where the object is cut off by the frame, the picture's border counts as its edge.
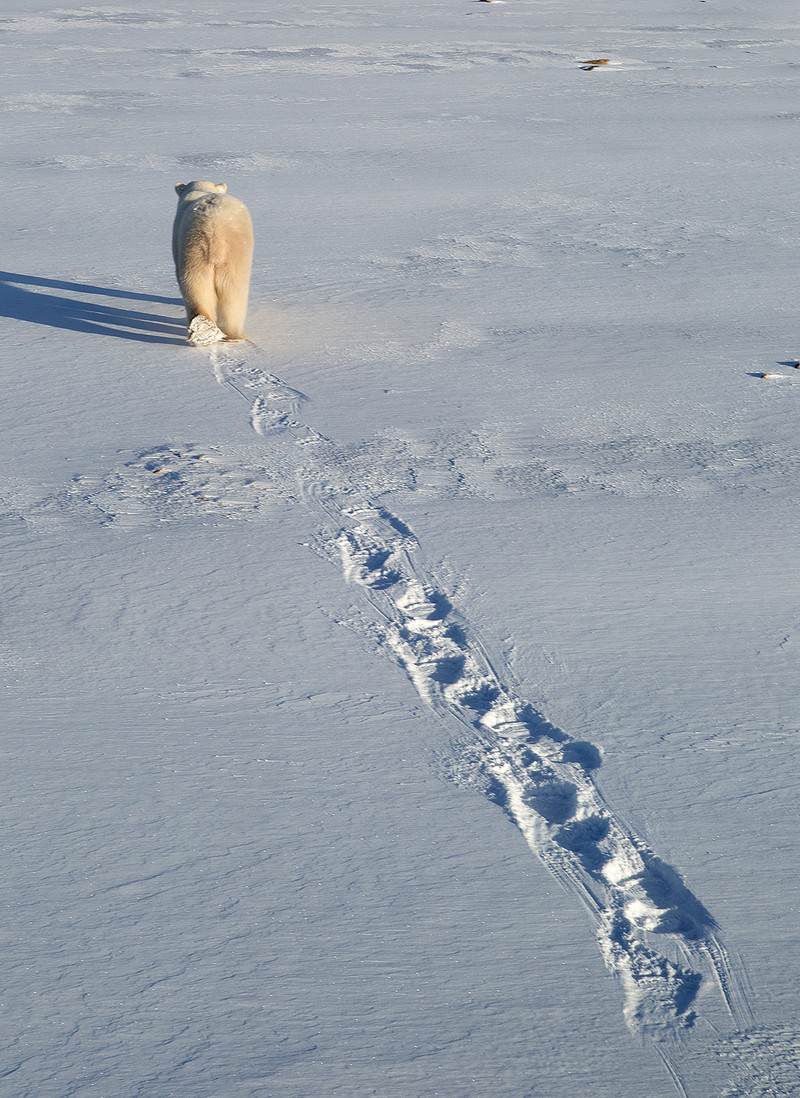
(221, 187)
(180, 188)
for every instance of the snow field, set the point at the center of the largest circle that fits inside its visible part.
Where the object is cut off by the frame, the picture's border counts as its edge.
(514, 316)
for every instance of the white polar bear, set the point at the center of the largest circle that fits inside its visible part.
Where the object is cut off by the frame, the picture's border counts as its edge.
(212, 244)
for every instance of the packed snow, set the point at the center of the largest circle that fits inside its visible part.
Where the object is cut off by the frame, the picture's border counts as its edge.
(402, 702)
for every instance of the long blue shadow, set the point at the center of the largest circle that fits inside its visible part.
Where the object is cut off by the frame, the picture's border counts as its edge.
(81, 314)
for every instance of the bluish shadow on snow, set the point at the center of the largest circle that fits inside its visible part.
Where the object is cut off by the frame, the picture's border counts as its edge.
(79, 313)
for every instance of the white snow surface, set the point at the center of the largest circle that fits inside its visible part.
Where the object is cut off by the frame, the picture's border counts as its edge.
(403, 703)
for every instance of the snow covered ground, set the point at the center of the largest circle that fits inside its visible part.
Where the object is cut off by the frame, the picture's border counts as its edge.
(403, 703)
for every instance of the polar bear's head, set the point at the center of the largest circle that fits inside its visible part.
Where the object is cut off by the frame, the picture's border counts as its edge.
(201, 185)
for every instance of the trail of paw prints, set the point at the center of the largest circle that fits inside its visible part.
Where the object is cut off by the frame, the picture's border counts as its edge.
(274, 405)
(653, 933)
(166, 482)
(645, 915)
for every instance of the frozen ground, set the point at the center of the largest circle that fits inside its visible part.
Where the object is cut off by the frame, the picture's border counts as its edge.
(403, 704)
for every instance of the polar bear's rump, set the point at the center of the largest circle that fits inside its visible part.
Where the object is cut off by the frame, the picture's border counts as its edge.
(212, 244)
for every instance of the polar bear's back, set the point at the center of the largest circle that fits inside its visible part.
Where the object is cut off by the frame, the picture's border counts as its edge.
(210, 221)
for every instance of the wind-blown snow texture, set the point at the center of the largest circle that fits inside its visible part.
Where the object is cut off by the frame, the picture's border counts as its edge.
(483, 548)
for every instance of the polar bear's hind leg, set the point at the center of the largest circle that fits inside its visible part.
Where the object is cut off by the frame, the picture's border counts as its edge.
(199, 292)
(232, 284)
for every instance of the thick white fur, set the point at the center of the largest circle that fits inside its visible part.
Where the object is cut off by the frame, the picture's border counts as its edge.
(212, 243)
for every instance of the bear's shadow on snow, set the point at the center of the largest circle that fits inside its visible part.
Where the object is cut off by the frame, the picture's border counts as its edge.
(74, 309)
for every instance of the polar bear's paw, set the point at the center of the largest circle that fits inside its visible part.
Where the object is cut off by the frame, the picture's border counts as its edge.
(203, 331)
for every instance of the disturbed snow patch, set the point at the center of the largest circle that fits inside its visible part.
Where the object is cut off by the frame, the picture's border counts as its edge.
(166, 482)
(768, 1063)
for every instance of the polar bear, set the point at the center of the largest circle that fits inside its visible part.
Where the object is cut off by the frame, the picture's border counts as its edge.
(212, 244)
